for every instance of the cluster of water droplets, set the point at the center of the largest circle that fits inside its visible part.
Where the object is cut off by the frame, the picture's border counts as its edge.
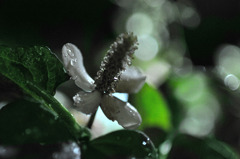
(118, 57)
(77, 99)
(73, 62)
(70, 53)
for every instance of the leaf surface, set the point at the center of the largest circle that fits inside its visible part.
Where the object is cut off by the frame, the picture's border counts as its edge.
(121, 144)
(153, 108)
(38, 72)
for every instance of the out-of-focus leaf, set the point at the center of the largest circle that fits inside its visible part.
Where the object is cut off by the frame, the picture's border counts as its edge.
(60, 150)
(29, 122)
(185, 146)
(151, 105)
(121, 144)
(190, 88)
(38, 72)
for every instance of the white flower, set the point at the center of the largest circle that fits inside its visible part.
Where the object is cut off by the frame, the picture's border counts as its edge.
(89, 98)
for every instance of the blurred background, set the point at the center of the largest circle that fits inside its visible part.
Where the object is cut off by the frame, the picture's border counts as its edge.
(189, 50)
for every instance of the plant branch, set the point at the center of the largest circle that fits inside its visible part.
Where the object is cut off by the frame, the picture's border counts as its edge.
(91, 120)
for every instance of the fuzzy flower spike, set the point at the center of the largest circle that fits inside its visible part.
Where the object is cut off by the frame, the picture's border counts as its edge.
(115, 75)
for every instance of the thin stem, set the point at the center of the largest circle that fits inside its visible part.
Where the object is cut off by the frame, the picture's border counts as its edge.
(91, 120)
(55, 106)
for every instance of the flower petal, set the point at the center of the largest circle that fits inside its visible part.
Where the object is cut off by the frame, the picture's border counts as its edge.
(73, 63)
(131, 80)
(87, 102)
(125, 114)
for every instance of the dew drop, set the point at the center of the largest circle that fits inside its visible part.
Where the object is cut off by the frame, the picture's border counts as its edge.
(73, 61)
(77, 98)
(65, 54)
(144, 143)
(70, 53)
(74, 78)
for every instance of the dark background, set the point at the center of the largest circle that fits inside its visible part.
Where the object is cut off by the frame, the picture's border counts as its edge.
(89, 25)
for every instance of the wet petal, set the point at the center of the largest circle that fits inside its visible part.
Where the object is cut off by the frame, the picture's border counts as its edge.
(73, 63)
(125, 114)
(131, 80)
(87, 102)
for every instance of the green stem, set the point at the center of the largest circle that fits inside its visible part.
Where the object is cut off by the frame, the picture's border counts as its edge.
(91, 120)
(61, 111)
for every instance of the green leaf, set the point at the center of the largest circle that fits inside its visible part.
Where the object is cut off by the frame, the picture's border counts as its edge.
(121, 144)
(151, 105)
(29, 122)
(37, 72)
(157, 135)
(35, 64)
(206, 148)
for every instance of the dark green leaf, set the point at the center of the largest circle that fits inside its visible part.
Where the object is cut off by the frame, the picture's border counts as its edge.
(151, 105)
(185, 146)
(157, 135)
(121, 144)
(60, 150)
(36, 65)
(37, 72)
(29, 122)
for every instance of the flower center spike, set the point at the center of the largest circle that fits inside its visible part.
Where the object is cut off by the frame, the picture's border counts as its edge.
(117, 58)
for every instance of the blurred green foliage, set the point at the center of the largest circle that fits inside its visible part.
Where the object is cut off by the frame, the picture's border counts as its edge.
(25, 121)
(153, 108)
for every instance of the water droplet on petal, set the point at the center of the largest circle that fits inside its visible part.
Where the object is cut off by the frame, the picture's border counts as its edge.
(65, 54)
(77, 98)
(73, 62)
(74, 78)
(116, 109)
(70, 53)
